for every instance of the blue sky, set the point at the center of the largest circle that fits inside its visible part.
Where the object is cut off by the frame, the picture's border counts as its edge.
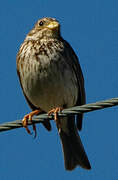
(91, 27)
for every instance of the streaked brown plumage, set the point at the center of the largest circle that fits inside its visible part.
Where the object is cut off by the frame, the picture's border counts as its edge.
(50, 76)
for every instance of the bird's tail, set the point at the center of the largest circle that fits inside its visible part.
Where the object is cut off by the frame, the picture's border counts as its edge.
(73, 150)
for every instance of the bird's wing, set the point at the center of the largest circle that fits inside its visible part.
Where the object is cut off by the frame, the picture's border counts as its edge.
(74, 63)
(46, 123)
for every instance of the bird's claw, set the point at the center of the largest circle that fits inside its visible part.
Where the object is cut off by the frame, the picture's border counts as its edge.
(55, 111)
(25, 122)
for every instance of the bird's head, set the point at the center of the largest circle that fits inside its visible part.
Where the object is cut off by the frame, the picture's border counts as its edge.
(45, 28)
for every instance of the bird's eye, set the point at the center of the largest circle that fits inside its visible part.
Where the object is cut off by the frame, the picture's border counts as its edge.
(41, 23)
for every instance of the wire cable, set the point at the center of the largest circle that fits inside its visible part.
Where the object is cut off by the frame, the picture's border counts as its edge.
(66, 112)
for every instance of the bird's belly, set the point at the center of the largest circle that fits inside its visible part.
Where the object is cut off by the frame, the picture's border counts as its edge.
(50, 87)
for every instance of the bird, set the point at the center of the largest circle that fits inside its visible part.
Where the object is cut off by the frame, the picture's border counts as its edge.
(51, 79)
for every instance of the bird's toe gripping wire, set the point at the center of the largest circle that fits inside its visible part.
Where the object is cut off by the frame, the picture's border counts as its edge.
(28, 117)
(55, 111)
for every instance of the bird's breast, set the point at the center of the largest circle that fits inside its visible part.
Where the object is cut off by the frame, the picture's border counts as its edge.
(48, 81)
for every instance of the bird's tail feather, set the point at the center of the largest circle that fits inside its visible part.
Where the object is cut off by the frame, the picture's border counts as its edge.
(73, 150)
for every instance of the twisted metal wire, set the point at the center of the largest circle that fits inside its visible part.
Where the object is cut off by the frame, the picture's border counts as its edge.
(66, 112)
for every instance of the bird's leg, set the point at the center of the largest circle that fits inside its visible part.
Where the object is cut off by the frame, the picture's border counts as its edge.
(55, 112)
(29, 117)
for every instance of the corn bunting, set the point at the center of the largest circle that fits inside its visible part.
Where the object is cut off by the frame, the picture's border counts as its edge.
(51, 79)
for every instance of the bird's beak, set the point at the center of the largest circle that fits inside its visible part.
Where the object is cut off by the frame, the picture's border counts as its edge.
(53, 25)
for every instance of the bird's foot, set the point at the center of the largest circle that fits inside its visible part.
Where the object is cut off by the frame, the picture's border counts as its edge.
(55, 111)
(29, 117)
